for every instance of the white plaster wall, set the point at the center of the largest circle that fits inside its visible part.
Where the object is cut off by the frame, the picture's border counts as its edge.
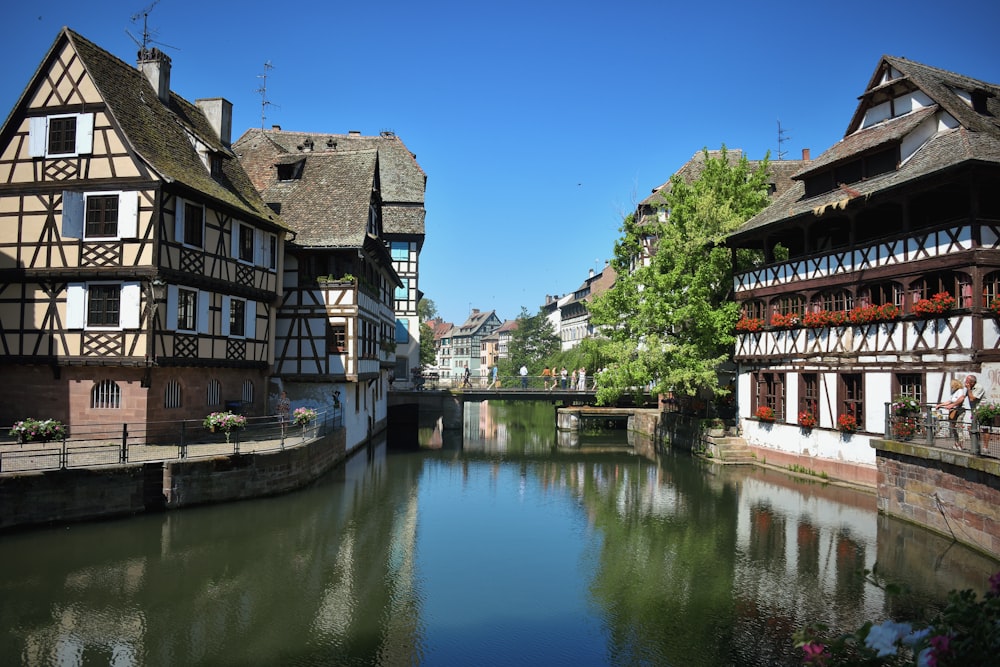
(818, 442)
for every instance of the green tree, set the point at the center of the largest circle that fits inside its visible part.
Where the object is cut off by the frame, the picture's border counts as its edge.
(670, 324)
(428, 357)
(531, 343)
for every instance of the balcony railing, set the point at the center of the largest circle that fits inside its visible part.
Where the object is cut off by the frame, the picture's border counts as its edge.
(931, 426)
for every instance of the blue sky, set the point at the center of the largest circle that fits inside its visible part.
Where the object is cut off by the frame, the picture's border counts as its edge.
(539, 123)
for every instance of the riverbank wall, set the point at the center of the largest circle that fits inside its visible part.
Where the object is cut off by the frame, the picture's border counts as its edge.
(79, 494)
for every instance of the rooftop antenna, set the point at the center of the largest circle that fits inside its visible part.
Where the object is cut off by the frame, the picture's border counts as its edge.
(781, 139)
(147, 35)
(262, 91)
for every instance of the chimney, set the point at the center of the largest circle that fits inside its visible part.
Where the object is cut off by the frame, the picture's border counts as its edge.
(155, 64)
(354, 133)
(591, 273)
(805, 155)
(219, 112)
(276, 128)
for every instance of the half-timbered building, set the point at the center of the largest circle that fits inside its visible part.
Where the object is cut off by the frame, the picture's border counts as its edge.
(138, 265)
(335, 331)
(879, 269)
(403, 183)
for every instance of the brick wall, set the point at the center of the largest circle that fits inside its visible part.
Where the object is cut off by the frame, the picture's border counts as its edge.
(955, 494)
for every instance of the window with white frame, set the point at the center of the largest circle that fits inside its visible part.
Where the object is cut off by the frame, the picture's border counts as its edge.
(189, 223)
(187, 309)
(104, 305)
(62, 135)
(100, 215)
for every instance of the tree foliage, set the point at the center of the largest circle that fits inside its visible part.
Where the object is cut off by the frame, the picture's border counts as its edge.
(670, 323)
(531, 343)
(426, 310)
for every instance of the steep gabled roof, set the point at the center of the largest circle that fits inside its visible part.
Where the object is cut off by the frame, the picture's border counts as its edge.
(160, 134)
(961, 134)
(402, 180)
(328, 204)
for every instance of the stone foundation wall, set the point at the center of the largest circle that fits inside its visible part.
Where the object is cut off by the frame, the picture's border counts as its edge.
(955, 494)
(241, 476)
(59, 496)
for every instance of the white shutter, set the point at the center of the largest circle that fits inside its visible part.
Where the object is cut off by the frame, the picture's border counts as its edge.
(128, 215)
(234, 240)
(203, 323)
(131, 303)
(84, 133)
(38, 135)
(171, 323)
(179, 221)
(250, 330)
(260, 258)
(72, 214)
(76, 301)
(227, 306)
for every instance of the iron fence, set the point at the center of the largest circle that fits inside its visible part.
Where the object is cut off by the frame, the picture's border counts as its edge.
(92, 445)
(931, 426)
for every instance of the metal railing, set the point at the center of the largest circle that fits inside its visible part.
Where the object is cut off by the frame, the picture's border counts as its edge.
(931, 426)
(505, 382)
(91, 445)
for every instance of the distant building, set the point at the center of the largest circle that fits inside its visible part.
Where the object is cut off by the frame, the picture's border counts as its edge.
(466, 342)
(574, 316)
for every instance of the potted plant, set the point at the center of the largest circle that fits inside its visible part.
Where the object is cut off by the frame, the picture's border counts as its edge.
(715, 428)
(905, 406)
(904, 429)
(749, 325)
(225, 422)
(302, 416)
(807, 420)
(764, 414)
(847, 423)
(987, 413)
(38, 430)
(938, 304)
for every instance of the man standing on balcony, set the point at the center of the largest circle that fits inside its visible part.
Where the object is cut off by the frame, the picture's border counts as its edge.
(973, 395)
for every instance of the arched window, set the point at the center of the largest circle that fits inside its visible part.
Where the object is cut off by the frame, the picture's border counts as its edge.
(754, 309)
(835, 301)
(791, 304)
(172, 394)
(958, 285)
(880, 294)
(991, 287)
(106, 395)
(213, 396)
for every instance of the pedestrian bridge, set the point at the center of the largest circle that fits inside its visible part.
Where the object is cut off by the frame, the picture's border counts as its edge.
(450, 403)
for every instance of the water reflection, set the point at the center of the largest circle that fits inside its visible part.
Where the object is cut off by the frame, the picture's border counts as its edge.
(497, 545)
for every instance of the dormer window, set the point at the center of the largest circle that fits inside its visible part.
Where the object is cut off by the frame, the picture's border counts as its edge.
(291, 172)
(215, 165)
(979, 102)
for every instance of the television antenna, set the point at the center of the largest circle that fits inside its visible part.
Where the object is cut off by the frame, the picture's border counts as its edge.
(781, 139)
(262, 91)
(147, 35)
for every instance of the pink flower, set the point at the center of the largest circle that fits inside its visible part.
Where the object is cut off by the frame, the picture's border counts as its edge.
(815, 653)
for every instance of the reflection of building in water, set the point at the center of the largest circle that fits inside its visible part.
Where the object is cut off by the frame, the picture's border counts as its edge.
(481, 430)
(807, 540)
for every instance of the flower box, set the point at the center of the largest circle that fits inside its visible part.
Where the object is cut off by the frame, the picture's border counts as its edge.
(938, 304)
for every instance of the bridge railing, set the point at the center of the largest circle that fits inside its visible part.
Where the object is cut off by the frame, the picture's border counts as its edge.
(511, 383)
(90, 445)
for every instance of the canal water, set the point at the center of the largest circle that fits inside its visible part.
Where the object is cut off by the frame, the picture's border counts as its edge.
(498, 545)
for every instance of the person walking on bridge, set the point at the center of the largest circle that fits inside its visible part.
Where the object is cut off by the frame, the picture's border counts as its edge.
(546, 376)
(582, 377)
(524, 376)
